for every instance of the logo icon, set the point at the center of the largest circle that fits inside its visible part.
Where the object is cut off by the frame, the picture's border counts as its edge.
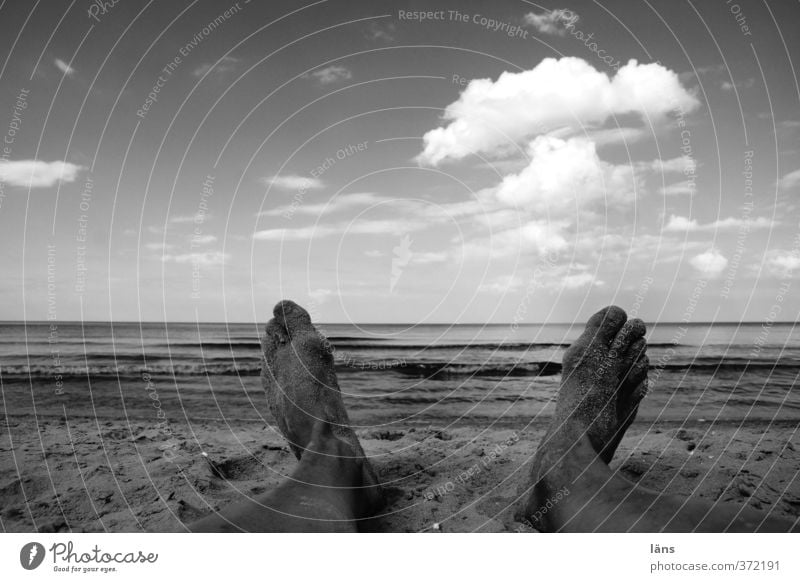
(31, 555)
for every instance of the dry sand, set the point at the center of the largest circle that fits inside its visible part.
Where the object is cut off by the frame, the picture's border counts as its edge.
(96, 474)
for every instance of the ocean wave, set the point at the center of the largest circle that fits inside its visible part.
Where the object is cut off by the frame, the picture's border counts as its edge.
(431, 370)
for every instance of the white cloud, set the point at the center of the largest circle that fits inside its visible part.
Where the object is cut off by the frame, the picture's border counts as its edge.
(64, 67)
(208, 258)
(338, 203)
(36, 173)
(384, 31)
(221, 67)
(319, 296)
(501, 285)
(579, 280)
(330, 74)
(565, 176)
(551, 21)
(790, 180)
(683, 224)
(203, 239)
(783, 263)
(427, 258)
(190, 218)
(374, 254)
(293, 182)
(681, 164)
(680, 224)
(679, 188)
(617, 135)
(489, 116)
(746, 84)
(365, 227)
(157, 246)
(710, 263)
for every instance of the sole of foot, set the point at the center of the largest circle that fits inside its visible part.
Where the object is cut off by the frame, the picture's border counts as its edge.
(604, 378)
(302, 389)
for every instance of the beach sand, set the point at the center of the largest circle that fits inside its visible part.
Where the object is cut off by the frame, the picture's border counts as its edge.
(94, 472)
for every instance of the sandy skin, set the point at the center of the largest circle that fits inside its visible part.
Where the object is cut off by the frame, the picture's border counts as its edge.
(334, 485)
(571, 486)
(604, 380)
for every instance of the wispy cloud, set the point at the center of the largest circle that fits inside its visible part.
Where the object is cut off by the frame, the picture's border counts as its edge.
(207, 258)
(64, 67)
(336, 204)
(684, 224)
(37, 174)
(365, 227)
(383, 32)
(551, 21)
(190, 218)
(293, 182)
(684, 187)
(221, 67)
(331, 74)
(790, 180)
(783, 263)
(203, 239)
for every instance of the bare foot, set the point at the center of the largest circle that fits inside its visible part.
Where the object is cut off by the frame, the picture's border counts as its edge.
(604, 377)
(302, 389)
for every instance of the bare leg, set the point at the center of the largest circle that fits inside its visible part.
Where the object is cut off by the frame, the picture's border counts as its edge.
(572, 487)
(334, 485)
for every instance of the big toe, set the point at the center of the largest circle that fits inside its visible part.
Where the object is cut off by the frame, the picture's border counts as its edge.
(604, 325)
(292, 318)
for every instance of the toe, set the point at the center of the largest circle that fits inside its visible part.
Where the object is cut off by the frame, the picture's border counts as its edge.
(276, 335)
(293, 318)
(629, 334)
(637, 372)
(605, 324)
(636, 350)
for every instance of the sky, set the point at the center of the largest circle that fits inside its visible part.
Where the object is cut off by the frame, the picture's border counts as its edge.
(406, 162)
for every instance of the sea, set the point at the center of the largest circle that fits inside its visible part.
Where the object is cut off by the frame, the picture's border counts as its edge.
(700, 372)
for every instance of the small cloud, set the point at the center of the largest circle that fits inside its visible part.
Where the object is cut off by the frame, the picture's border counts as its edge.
(319, 296)
(746, 84)
(679, 188)
(683, 224)
(221, 67)
(374, 254)
(157, 246)
(710, 263)
(384, 32)
(680, 224)
(341, 202)
(64, 67)
(203, 239)
(783, 263)
(361, 227)
(36, 173)
(292, 182)
(331, 74)
(579, 280)
(198, 218)
(208, 258)
(501, 285)
(551, 21)
(790, 180)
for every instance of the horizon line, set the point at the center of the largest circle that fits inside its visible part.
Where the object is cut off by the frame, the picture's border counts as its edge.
(509, 323)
